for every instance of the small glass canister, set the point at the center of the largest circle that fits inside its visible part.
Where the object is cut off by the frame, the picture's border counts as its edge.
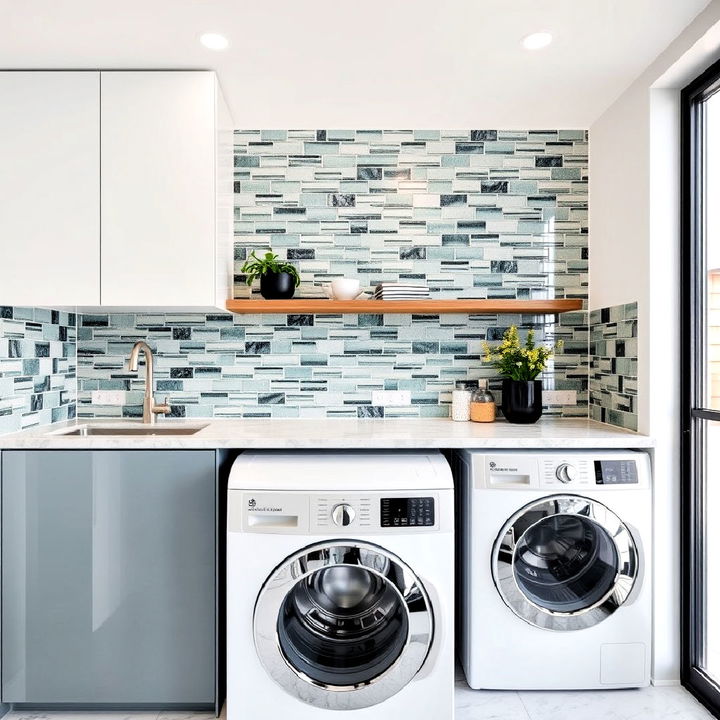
(482, 404)
(460, 409)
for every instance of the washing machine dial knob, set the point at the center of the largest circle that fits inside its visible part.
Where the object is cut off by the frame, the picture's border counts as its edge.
(343, 514)
(566, 473)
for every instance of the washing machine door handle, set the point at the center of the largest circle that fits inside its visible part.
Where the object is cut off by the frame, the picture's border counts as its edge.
(332, 595)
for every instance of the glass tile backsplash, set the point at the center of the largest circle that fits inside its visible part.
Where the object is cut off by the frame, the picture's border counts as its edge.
(37, 367)
(474, 213)
(614, 365)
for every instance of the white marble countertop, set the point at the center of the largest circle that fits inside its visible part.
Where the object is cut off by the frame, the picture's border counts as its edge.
(336, 433)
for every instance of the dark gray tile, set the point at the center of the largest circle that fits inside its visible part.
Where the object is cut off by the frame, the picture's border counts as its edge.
(370, 411)
(479, 135)
(341, 200)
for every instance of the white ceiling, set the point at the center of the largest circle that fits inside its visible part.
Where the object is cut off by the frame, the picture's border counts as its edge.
(369, 63)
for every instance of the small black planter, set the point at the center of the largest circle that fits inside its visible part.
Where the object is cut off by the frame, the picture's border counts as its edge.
(277, 286)
(522, 400)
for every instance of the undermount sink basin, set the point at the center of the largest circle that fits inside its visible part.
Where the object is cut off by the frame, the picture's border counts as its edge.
(90, 430)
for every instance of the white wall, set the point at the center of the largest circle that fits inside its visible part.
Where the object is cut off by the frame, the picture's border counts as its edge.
(634, 255)
(659, 350)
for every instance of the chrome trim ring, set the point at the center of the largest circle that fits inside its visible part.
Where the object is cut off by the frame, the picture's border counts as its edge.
(504, 555)
(376, 560)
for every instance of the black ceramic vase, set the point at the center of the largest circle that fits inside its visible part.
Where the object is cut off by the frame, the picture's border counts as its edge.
(277, 286)
(522, 400)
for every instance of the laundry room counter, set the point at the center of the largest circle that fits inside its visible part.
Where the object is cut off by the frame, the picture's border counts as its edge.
(313, 434)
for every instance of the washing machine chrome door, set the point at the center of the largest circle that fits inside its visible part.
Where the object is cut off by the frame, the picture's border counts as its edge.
(343, 625)
(565, 563)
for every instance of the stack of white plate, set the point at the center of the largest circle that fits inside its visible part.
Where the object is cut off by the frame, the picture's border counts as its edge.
(401, 291)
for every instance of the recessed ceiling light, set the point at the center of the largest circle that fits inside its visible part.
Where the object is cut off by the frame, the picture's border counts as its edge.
(214, 41)
(537, 40)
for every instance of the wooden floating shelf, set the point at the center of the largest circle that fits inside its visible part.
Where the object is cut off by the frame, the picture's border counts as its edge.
(313, 306)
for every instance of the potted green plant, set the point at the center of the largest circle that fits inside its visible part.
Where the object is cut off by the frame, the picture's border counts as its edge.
(278, 278)
(519, 365)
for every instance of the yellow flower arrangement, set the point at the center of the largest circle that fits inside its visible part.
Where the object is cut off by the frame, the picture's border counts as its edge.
(517, 361)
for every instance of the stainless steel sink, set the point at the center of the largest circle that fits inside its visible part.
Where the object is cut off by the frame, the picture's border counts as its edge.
(90, 430)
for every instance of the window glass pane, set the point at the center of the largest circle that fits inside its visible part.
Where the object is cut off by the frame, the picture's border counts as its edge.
(711, 483)
(710, 277)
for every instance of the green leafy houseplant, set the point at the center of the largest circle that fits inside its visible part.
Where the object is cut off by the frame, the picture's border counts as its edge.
(278, 278)
(256, 267)
(516, 361)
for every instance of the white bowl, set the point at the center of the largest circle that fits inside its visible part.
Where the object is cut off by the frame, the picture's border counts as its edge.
(344, 289)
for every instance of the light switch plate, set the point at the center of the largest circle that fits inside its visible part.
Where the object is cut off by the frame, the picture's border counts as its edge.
(559, 397)
(391, 398)
(108, 397)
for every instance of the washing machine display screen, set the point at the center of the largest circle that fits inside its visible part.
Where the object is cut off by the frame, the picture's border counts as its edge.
(616, 472)
(407, 512)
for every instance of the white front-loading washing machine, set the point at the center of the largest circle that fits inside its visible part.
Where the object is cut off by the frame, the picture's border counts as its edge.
(340, 580)
(554, 568)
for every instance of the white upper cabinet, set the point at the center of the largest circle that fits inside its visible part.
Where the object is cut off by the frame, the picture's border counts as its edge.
(115, 190)
(166, 188)
(49, 188)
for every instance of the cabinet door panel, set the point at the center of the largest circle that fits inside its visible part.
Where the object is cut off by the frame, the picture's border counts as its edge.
(50, 188)
(158, 188)
(108, 570)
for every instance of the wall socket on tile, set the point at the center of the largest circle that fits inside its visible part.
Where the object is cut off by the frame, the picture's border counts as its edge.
(559, 397)
(108, 397)
(390, 398)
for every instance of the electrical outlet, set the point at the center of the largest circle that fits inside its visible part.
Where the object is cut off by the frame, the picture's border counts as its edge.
(559, 397)
(108, 397)
(391, 398)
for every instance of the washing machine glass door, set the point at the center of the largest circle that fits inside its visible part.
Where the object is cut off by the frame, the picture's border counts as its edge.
(343, 625)
(565, 563)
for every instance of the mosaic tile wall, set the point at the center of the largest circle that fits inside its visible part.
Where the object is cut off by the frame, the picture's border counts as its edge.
(37, 367)
(305, 366)
(477, 213)
(614, 365)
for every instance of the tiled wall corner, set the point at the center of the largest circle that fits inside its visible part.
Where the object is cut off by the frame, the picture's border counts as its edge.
(614, 365)
(473, 213)
(37, 367)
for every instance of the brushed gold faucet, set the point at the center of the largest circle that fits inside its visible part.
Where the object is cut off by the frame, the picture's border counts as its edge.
(150, 409)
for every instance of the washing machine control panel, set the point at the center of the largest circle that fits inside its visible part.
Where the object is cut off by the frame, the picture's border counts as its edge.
(407, 512)
(568, 471)
(379, 512)
(340, 514)
(616, 472)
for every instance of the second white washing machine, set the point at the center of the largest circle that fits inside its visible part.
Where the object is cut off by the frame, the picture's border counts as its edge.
(555, 569)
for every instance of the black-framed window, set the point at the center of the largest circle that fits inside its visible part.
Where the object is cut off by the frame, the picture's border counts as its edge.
(700, 665)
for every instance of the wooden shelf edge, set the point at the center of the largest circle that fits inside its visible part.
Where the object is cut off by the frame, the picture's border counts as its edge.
(303, 306)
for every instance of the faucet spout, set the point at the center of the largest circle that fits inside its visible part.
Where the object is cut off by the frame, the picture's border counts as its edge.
(135, 354)
(150, 408)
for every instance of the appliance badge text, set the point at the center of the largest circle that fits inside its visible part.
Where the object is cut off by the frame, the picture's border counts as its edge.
(495, 468)
(253, 507)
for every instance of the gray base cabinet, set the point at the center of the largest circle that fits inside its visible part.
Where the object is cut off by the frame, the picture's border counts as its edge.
(108, 577)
